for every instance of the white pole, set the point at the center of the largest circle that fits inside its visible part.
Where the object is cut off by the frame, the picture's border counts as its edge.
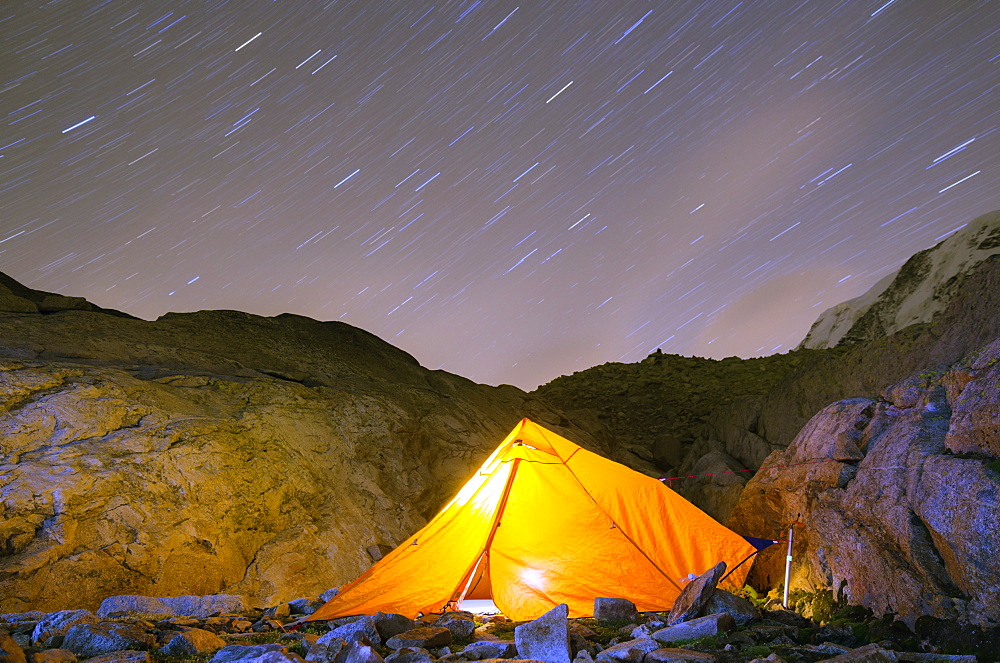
(788, 563)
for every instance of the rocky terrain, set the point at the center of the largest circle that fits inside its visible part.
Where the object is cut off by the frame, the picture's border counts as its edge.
(219, 451)
(705, 625)
(898, 497)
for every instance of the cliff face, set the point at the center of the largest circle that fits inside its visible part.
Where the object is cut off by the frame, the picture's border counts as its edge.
(222, 452)
(898, 497)
(922, 288)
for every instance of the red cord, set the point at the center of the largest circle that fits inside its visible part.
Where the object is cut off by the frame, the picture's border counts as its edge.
(755, 469)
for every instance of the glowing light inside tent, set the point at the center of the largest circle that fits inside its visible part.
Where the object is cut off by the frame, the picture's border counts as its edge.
(534, 578)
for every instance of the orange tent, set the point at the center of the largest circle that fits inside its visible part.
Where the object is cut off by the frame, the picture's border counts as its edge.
(545, 522)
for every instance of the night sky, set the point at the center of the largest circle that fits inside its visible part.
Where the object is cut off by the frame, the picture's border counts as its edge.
(509, 191)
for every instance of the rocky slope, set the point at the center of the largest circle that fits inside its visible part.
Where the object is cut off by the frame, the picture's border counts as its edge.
(659, 407)
(220, 452)
(922, 288)
(740, 411)
(898, 496)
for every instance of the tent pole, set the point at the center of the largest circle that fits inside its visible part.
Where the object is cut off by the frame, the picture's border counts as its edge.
(493, 529)
(472, 577)
(788, 563)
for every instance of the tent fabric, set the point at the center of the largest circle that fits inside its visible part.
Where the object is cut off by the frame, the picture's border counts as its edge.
(544, 522)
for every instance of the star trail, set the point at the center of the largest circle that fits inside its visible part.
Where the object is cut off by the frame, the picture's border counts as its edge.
(509, 191)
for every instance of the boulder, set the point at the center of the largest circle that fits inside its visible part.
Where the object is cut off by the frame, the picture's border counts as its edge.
(133, 604)
(461, 625)
(305, 606)
(674, 655)
(361, 653)
(641, 632)
(631, 651)
(742, 611)
(246, 652)
(546, 638)
(193, 641)
(206, 606)
(388, 624)
(695, 595)
(59, 623)
(975, 420)
(613, 609)
(477, 651)
(326, 649)
(280, 611)
(10, 651)
(363, 628)
(424, 637)
(86, 640)
(701, 627)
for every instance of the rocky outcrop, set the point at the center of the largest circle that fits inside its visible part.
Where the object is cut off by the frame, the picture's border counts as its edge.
(17, 298)
(220, 452)
(742, 433)
(898, 496)
(922, 288)
(660, 406)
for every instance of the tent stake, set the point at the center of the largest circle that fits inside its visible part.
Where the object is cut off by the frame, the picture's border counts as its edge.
(788, 564)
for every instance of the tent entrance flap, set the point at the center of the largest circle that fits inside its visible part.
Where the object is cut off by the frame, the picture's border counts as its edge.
(479, 587)
(474, 579)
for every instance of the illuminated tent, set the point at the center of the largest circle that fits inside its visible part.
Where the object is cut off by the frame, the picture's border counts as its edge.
(544, 522)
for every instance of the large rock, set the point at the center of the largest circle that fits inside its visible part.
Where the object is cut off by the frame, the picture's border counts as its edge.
(546, 638)
(695, 595)
(192, 642)
(194, 454)
(361, 653)
(630, 651)
(425, 637)
(477, 651)
(389, 625)
(461, 625)
(231, 653)
(701, 627)
(133, 604)
(363, 628)
(326, 649)
(59, 623)
(893, 520)
(742, 611)
(612, 609)
(87, 640)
